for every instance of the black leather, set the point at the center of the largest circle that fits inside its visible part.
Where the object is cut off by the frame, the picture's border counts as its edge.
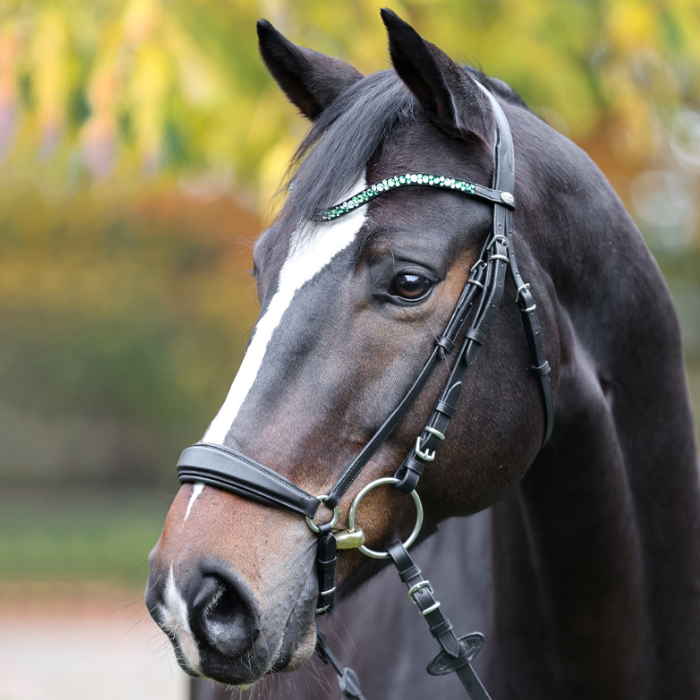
(446, 404)
(410, 574)
(540, 367)
(504, 178)
(444, 345)
(495, 195)
(326, 561)
(456, 653)
(377, 440)
(229, 470)
(347, 678)
(443, 663)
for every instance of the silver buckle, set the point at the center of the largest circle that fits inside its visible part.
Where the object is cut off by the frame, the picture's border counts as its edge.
(426, 456)
(521, 289)
(498, 237)
(419, 587)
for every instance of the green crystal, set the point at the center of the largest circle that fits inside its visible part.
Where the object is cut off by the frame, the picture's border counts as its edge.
(390, 183)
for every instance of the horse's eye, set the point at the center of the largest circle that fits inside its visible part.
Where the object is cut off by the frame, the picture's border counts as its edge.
(409, 285)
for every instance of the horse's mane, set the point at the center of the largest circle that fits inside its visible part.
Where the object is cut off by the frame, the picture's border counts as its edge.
(349, 133)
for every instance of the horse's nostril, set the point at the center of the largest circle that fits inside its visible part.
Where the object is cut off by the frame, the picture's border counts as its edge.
(225, 617)
(222, 605)
(223, 613)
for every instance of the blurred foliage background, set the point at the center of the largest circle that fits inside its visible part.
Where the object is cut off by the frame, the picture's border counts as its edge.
(140, 144)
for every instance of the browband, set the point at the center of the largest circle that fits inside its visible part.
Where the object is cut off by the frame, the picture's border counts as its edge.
(412, 180)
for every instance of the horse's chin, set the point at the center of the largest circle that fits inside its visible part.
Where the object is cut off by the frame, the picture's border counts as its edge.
(246, 671)
(301, 651)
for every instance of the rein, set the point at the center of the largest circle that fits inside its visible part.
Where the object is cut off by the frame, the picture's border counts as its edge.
(228, 469)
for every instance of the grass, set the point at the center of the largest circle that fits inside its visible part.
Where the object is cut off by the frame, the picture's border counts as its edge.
(79, 535)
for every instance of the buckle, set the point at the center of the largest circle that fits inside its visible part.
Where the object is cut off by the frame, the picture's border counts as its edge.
(426, 456)
(419, 587)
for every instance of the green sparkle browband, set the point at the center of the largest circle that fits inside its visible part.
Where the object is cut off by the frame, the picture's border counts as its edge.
(412, 179)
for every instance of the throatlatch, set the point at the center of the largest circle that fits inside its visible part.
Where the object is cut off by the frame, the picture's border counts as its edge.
(478, 303)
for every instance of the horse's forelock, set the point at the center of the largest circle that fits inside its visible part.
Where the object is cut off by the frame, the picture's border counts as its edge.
(342, 141)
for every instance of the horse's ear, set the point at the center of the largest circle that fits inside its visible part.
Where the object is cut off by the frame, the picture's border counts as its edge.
(451, 98)
(311, 80)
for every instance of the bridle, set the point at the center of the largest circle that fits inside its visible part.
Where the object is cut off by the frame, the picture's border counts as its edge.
(227, 469)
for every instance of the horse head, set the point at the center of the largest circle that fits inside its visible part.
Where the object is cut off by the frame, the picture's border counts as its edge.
(351, 309)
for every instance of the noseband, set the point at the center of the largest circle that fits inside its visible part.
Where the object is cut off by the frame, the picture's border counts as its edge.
(479, 301)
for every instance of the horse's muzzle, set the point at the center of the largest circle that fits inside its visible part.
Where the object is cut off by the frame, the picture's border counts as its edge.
(212, 618)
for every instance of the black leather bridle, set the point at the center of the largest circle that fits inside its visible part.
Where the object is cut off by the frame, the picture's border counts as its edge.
(479, 301)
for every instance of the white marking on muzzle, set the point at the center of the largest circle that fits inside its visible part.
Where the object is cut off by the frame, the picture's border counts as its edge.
(310, 251)
(176, 621)
(196, 493)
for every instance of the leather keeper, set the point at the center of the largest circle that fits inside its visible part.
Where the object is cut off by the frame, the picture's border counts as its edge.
(413, 464)
(446, 344)
(441, 628)
(409, 473)
(476, 335)
(540, 371)
(445, 408)
(525, 300)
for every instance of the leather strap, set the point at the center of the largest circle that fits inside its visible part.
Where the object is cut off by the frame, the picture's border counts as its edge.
(456, 654)
(377, 440)
(347, 678)
(326, 561)
(504, 178)
(540, 367)
(443, 347)
(446, 405)
(229, 470)
(495, 195)
(421, 593)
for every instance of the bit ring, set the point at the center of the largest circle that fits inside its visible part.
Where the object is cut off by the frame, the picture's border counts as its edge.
(374, 554)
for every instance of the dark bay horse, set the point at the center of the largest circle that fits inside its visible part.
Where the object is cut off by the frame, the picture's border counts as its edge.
(585, 571)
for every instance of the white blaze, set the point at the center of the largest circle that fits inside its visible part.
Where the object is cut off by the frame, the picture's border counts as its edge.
(310, 251)
(177, 622)
(196, 493)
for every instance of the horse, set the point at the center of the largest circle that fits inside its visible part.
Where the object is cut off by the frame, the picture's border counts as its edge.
(578, 555)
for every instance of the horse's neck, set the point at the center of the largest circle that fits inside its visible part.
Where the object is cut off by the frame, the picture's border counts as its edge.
(596, 557)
